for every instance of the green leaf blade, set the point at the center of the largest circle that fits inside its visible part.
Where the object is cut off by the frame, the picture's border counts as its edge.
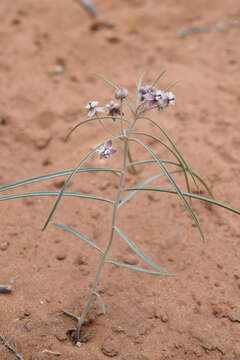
(54, 175)
(89, 120)
(106, 81)
(194, 196)
(174, 147)
(132, 267)
(54, 193)
(79, 235)
(173, 183)
(101, 302)
(138, 251)
(158, 78)
(141, 184)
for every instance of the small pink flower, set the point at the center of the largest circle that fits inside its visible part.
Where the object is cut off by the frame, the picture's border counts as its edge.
(106, 150)
(164, 99)
(113, 109)
(146, 92)
(153, 98)
(93, 109)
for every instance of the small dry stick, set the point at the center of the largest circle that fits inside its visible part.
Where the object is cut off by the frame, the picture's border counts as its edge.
(5, 289)
(7, 345)
(52, 352)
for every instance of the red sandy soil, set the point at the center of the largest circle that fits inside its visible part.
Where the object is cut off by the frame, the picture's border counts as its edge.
(193, 315)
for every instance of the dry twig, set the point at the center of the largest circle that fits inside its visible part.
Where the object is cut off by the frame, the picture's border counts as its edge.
(5, 289)
(7, 345)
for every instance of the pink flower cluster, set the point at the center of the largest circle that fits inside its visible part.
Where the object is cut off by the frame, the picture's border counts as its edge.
(149, 97)
(152, 98)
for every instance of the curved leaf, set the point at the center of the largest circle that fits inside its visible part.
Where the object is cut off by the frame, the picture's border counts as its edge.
(54, 193)
(139, 84)
(158, 78)
(79, 235)
(101, 302)
(106, 81)
(132, 267)
(176, 164)
(172, 85)
(173, 145)
(194, 196)
(176, 156)
(53, 175)
(141, 184)
(172, 181)
(92, 119)
(138, 251)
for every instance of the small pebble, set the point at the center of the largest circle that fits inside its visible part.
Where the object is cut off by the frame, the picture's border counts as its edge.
(59, 184)
(109, 350)
(95, 215)
(153, 197)
(61, 256)
(59, 69)
(130, 260)
(61, 336)
(79, 260)
(164, 317)
(104, 185)
(43, 141)
(4, 246)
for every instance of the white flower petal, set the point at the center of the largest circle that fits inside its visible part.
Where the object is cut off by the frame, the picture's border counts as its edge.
(94, 103)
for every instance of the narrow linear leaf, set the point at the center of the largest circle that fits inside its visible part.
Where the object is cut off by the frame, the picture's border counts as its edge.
(194, 196)
(176, 164)
(91, 119)
(54, 193)
(172, 85)
(132, 267)
(158, 78)
(172, 181)
(53, 175)
(101, 302)
(68, 313)
(79, 235)
(141, 185)
(173, 145)
(169, 149)
(106, 81)
(138, 251)
(139, 84)
(69, 179)
(89, 333)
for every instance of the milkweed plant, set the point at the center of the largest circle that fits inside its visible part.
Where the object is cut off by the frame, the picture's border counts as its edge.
(148, 99)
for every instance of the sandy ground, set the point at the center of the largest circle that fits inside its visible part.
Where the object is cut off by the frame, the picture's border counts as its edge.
(48, 54)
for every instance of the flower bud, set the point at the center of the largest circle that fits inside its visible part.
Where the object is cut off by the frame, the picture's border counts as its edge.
(121, 93)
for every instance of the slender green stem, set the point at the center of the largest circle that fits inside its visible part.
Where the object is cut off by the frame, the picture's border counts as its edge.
(115, 209)
(134, 171)
(121, 115)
